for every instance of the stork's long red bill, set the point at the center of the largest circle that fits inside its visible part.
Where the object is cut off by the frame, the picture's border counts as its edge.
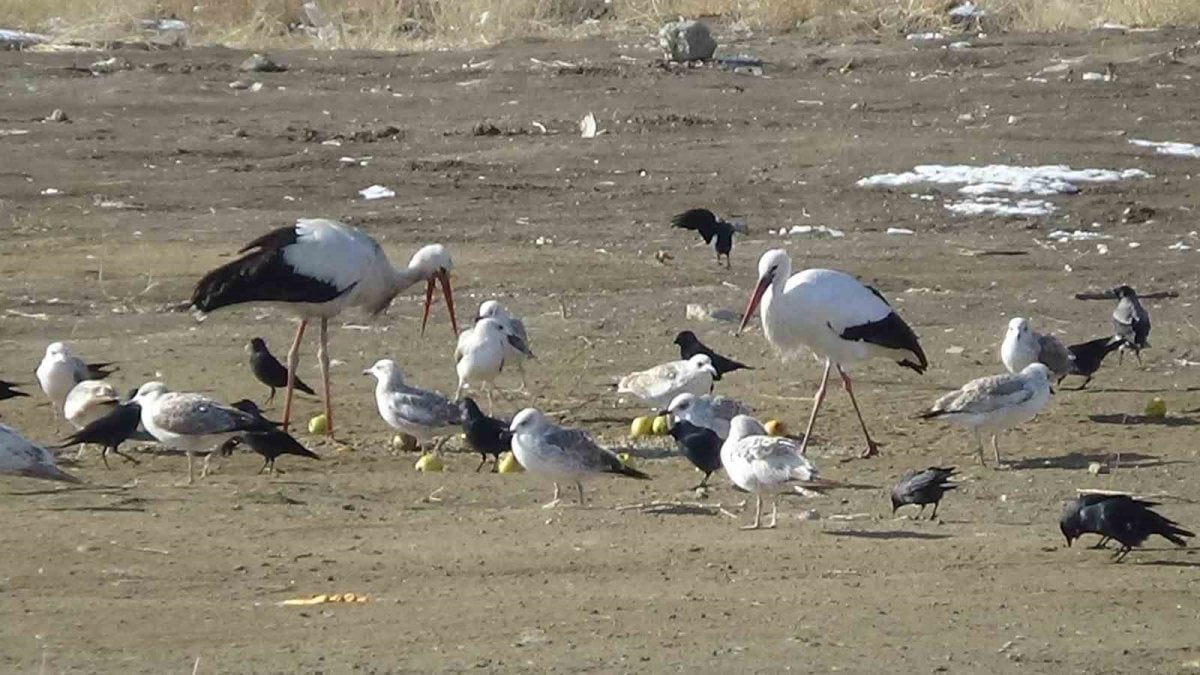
(752, 305)
(442, 277)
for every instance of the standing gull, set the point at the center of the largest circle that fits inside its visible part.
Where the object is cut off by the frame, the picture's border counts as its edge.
(60, 371)
(1023, 346)
(90, 400)
(1086, 357)
(482, 353)
(1129, 521)
(995, 403)
(486, 435)
(709, 412)
(562, 454)
(268, 370)
(110, 431)
(760, 463)
(1131, 321)
(491, 309)
(9, 390)
(690, 345)
(834, 316)
(659, 385)
(422, 414)
(711, 227)
(193, 423)
(317, 268)
(21, 457)
(922, 488)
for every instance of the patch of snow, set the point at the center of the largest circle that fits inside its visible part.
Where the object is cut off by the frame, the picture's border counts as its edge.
(1001, 206)
(997, 178)
(1077, 235)
(1175, 149)
(811, 229)
(921, 37)
(899, 230)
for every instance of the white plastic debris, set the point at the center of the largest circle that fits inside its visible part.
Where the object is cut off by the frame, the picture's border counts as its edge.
(587, 126)
(1000, 206)
(19, 39)
(1077, 235)
(923, 37)
(899, 230)
(961, 44)
(377, 192)
(998, 178)
(1102, 249)
(1172, 148)
(1179, 246)
(966, 11)
(51, 192)
(1094, 77)
(811, 229)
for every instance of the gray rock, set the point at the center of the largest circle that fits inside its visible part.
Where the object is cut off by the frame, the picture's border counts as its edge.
(686, 41)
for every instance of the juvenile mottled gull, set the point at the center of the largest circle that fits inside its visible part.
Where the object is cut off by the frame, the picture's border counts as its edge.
(193, 423)
(21, 457)
(491, 309)
(60, 371)
(709, 412)
(420, 413)
(562, 454)
(1131, 321)
(1022, 346)
(760, 463)
(995, 403)
(922, 488)
(659, 385)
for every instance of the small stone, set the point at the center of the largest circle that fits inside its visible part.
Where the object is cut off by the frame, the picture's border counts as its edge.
(686, 41)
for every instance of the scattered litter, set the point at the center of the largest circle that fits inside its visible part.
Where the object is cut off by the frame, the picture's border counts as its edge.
(326, 599)
(811, 229)
(164, 24)
(1077, 235)
(899, 230)
(261, 63)
(19, 39)
(1102, 249)
(587, 126)
(994, 178)
(1094, 77)
(1001, 206)
(257, 86)
(1109, 25)
(1134, 244)
(686, 41)
(962, 44)
(377, 192)
(955, 350)
(50, 192)
(354, 161)
(1172, 148)
(13, 132)
(108, 66)
(57, 115)
(539, 126)
(922, 37)
(965, 12)
(1179, 246)
(240, 85)
(103, 203)
(543, 241)
(1095, 468)
(697, 312)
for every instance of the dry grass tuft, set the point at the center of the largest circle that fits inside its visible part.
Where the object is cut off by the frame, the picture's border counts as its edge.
(390, 24)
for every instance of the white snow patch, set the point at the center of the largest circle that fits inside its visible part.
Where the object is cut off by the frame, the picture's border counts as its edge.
(921, 37)
(996, 178)
(1001, 206)
(1077, 235)
(899, 230)
(1172, 148)
(811, 229)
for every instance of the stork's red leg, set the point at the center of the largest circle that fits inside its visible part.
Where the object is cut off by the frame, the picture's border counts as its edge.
(323, 356)
(872, 447)
(293, 362)
(817, 400)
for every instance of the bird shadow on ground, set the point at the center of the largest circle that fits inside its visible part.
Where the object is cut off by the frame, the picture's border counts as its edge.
(97, 509)
(1124, 390)
(1130, 420)
(887, 535)
(1079, 460)
(1170, 563)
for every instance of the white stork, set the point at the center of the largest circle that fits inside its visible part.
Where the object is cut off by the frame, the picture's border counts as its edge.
(317, 268)
(837, 318)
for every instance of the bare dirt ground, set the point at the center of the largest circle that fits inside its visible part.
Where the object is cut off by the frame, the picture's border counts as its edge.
(134, 574)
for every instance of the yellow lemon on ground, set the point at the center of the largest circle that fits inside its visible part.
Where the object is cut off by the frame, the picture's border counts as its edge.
(1156, 408)
(404, 442)
(642, 426)
(776, 428)
(659, 426)
(430, 464)
(509, 464)
(318, 425)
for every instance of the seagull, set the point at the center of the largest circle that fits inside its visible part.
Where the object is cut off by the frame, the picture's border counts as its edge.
(1071, 518)
(482, 353)
(834, 316)
(270, 445)
(1129, 521)
(90, 400)
(563, 454)
(317, 268)
(268, 370)
(690, 345)
(1023, 346)
(193, 423)
(60, 371)
(422, 414)
(700, 445)
(709, 226)
(491, 309)
(115, 427)
(708, 412)
(8, 390)
(21, 457)
(1086, 357)
(660, 385)
(1131, 321)
(995, 403)
(922, 487)
(759, 463)
(486, 435)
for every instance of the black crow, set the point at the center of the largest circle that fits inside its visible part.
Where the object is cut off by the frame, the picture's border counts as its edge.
(1086, 357)
(110, 431)
(922, 488)
(486, 435)
(710, 226)
(268, 370)
(9, 390)
(1070, 517)
(701, 446)
(270, 445)
(690, 345)
(250, 407)
(1129, 521)
(1131, 321)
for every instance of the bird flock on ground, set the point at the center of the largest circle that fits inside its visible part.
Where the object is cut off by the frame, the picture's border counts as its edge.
(318, 268)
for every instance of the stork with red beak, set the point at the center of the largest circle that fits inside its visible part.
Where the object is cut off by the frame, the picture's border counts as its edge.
(317, 268)
(837, 318)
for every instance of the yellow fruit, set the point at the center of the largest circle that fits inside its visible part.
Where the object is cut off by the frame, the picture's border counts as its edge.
(509, 464)
(1156, 408)
(625, 458)
(318, 425)
(430, 463)
(642, 426)
(404, 443)
(659, 425)
(776, 428)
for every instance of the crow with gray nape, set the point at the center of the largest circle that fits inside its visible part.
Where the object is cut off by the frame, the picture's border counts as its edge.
(922, 488)
(1131, 322)
(711, 227)
(1129, 521)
